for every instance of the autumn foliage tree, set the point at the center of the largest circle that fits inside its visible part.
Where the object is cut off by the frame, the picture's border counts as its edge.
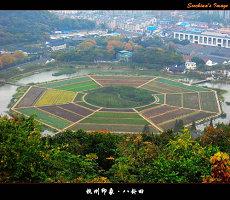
(220, 169)
(9, 58)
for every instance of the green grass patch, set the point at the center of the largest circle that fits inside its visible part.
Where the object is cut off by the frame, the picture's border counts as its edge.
(119, 97)
(161, 98)
(89, 85)
(116, 115)
(100, 120)
(60, 83)
(45, 117)
(181, 85)
(79, 97)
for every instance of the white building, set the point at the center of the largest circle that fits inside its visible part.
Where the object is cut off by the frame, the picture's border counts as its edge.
(204, 38)
(56, 48)
(210, 63)
(190, 65)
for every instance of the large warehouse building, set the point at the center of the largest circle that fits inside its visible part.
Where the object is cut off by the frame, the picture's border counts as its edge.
(204, 38)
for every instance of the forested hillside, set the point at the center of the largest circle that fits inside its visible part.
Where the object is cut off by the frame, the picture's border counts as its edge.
(79, 157)
(32, 26)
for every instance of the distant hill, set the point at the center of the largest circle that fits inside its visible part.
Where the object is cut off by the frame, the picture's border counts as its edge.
(32, 26)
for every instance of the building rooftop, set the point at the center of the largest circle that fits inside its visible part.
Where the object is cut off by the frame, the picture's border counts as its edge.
(215, 34)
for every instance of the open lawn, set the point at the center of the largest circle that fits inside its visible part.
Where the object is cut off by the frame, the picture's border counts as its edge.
(119, 97)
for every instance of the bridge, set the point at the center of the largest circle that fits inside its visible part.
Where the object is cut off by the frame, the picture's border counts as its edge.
(11, 83)
(201, 81)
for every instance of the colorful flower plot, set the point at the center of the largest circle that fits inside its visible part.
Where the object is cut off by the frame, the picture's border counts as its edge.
(53, 97)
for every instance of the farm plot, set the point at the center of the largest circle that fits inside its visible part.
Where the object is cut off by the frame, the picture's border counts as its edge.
(170, 115)
(68, 115)
(117, 110)
(121, 80)
(208, 101)
(162, 87)
(115, 118)
(82, 86)
(119, 97)
(84, 104)
(157, 110)
(147, 107)
(45, 118)
(60, 83)
(76, 109)
(112, 127)
(181, 85)
(31, 97)
(174, 99)
(160, 98)
(198, 115)
(191, 100)
(79, 97)
(52, 97)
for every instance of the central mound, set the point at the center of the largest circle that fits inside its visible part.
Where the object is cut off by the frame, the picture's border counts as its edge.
(119, 97)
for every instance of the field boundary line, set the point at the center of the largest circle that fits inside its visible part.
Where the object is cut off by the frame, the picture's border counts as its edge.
(21, 97)
(40, 97)
(73, 124)
(148, 120)
(199, 99)
(82, 106)
(75, 97)
(39, 121)
(218, 103)
(147, 82)
(150, 108)
(165, 112)
(70, 111)
(53, 114)
(167, 90)
(83, 98)
(182, 100)
(148, 104)
(108, 111)
(157, 92)
(114, 124)
(117, 118)
(95, 80)
(183, 116)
